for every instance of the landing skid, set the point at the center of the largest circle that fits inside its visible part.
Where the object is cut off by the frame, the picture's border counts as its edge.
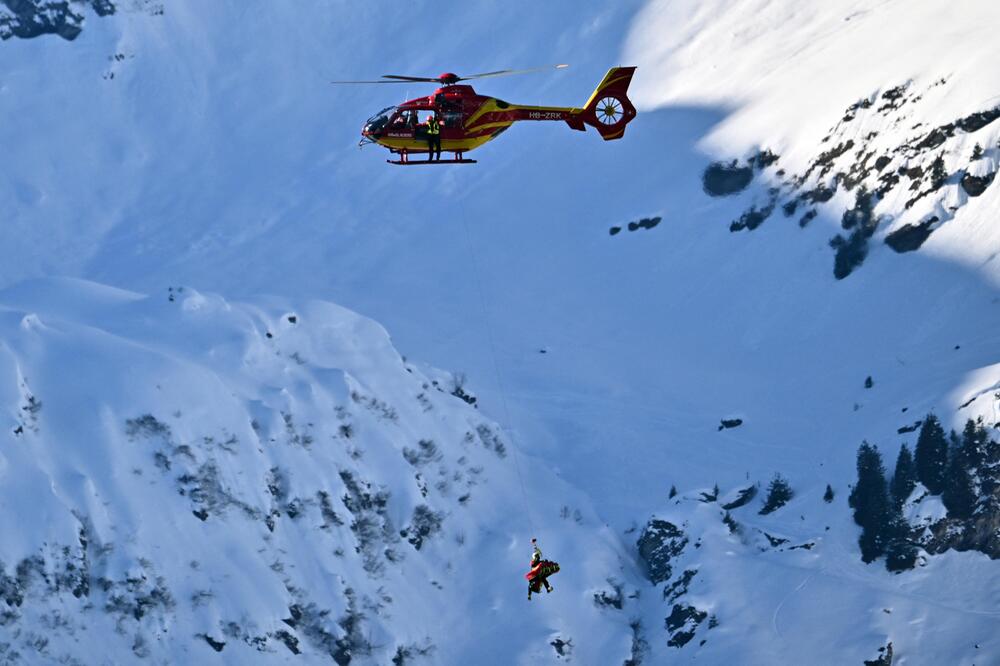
(427, 162)
(404, 160)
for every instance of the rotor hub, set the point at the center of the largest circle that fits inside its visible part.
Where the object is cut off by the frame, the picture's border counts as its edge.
(448, 78)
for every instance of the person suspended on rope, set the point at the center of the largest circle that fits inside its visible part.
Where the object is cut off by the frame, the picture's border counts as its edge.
(540, 571)
(433, 137)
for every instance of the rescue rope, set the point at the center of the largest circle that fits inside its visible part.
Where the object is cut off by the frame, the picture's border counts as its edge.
(496, 368)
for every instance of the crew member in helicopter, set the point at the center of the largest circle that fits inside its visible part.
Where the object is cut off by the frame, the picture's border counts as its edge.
(433, 137)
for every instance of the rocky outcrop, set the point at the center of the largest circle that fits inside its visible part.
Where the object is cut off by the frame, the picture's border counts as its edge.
(682, 623)
(910, 237)
(976, 185)
(884, 658)
(660, 542)
(723, 180)
(644, 223)
(979, 533)
(852, 160)
(33, 18)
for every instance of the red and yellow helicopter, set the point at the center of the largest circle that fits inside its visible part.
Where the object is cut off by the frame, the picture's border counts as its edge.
(468, 119)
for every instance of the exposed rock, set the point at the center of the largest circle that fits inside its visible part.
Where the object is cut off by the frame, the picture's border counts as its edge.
(976, 185)
(660, 542)
(977, 121)
(825, 160)
(894, 98)
(216, 645)
(884, 658)
(942, 133)
(644, 223)
(910, 237)
(763, 159)
(819, 194)
(721, 180)
(33, 18)
(458, 390)
(754, 217)
(682, 623)
(730, 423)
(775, 541)
(860, 163)
(745, 496)
(290, 641)
(679, 587)
(808, 217)
(615, 598)
(980, 533)
(562, 647)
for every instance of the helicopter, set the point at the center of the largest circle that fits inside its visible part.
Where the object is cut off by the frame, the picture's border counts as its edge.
(468, 120)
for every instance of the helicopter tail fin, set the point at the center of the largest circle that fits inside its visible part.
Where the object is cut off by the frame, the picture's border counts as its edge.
(609, 108)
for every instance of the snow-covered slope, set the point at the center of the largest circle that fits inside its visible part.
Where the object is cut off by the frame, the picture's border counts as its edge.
(181, 474)
(201, 146)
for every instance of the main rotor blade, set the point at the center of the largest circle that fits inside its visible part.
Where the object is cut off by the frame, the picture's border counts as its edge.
(350, 82)
(510, 72)
(423, 79)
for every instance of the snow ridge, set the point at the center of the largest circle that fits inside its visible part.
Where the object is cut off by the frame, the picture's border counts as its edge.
(202, 444)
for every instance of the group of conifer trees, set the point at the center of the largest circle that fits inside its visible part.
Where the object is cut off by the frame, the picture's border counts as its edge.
(963, 469)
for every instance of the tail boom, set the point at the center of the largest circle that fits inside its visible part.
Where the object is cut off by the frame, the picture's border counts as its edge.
(608, 110)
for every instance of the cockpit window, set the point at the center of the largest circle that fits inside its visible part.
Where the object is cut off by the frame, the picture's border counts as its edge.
(379, 120)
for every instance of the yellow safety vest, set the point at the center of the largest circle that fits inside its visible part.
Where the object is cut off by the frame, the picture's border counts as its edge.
(433, 126)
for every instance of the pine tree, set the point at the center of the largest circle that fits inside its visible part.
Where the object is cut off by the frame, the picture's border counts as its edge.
(938, 173)
(900, 552)
(974, 442)
(989, 479)
(977, 152)
(904, 478)
(870, 501)
(828, 495)
(778, 494)
(673, 492)
(959, 496)
(931, 455)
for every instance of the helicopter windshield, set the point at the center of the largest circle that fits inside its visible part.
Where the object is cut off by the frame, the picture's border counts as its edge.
(379, 120)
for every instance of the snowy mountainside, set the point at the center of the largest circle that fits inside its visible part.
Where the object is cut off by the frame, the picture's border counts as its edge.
(184, 476)
(919, 89)
(786, 69)
(676, 352)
